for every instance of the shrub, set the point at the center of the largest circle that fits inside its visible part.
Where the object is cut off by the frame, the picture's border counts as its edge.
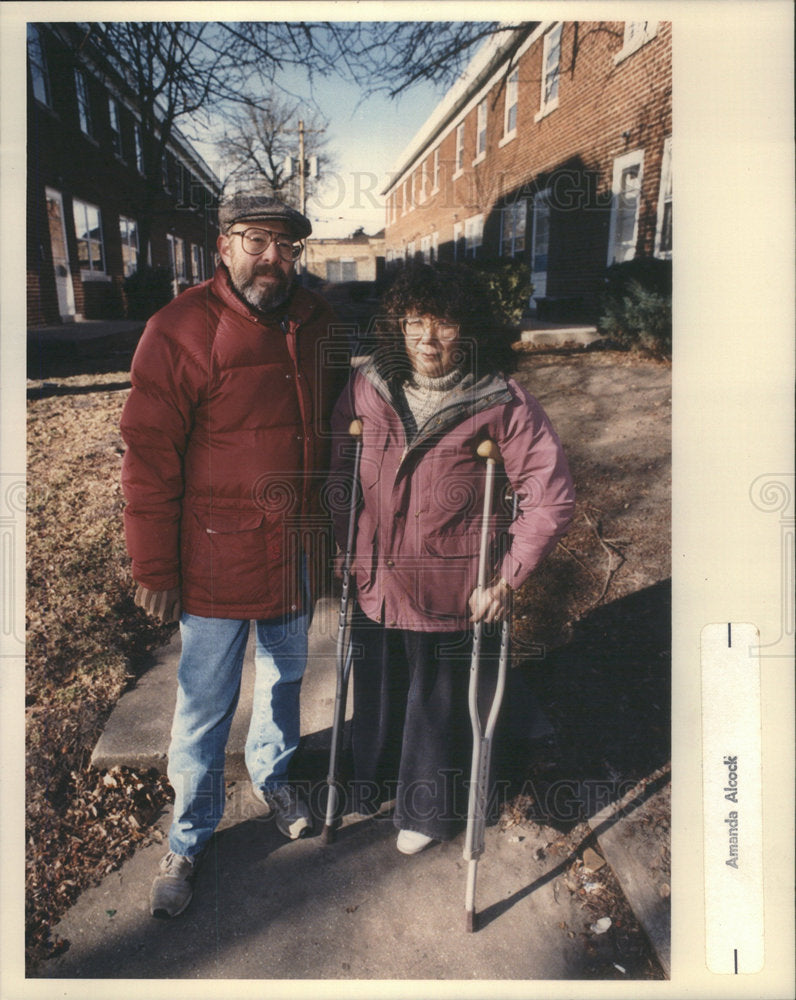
(147, 291)
(508, 283)
(637, 306)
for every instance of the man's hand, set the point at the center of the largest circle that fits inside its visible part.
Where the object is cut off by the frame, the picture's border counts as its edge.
(162, 604)
(339, 566)
(490, 604)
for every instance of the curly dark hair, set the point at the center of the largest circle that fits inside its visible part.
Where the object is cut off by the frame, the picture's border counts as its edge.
(454, 292)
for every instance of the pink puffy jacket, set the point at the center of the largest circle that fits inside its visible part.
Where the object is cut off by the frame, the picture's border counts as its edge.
(418, 529)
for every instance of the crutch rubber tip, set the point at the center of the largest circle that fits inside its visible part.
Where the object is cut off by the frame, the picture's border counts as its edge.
(327, 834)
(489, 450)
(355, 428)
(470, 914)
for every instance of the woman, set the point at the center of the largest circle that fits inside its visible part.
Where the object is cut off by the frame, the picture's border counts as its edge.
(436, 386)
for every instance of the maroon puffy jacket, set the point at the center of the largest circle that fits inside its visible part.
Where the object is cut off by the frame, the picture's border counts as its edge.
(225, 428)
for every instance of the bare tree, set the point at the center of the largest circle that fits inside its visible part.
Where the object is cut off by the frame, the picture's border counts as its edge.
(262, 145)
(187, 72)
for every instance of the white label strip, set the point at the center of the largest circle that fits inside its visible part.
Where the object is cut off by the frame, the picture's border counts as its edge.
(731, 775)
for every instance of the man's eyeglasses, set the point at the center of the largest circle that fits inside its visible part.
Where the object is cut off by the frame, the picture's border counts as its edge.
(257, 241)
(415, 326)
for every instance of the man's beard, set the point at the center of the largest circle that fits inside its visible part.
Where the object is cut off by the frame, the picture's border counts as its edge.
(262, 297)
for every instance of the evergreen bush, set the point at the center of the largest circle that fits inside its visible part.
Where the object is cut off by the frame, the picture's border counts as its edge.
(637, 306)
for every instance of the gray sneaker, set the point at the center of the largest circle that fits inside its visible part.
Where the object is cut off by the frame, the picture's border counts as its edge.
(172, 888)
(293, 819)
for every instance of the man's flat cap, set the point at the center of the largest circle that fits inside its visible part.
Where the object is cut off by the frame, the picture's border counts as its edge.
(260, 208)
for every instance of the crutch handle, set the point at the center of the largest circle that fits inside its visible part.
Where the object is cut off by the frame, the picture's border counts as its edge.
(355, 428)
(488, 450)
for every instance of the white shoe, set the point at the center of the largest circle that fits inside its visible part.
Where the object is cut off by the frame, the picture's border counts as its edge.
(411, 842)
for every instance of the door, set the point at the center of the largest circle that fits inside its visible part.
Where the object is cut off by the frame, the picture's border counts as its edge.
(60, 255)
(540, 243)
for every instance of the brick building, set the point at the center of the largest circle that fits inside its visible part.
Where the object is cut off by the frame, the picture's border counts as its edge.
(554, 148)
(87, 190)
(354, 258)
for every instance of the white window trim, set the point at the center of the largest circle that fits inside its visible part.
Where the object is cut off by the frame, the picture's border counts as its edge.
(89, 274)
(513, 82)
(39, 69)
(126, 243)
(423, 181)
(83, 103)
(459, 170)
(511, 211)
(666, 180)
(635, 39)
(473, 223)
(620, 165)
(435, 173)
(545, 107)
(425, 248)
(480, 126)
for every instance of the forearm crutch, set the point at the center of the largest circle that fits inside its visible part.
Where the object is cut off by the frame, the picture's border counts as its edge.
(482, 736)
(344, 648)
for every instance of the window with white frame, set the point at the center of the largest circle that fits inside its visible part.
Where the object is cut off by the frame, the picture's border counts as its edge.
(425, 248)
(512, 101)
(139, 148)
(637, 33)
(164, 171)
(625, 206)
(663, 227)
(405, 203)
(459, 147)
(197, 263)
(480, 132)
(410, 250)
(128, 231)
(434, 247)
(435, 172)
(88, 233)
(83, 103)
(424, 181)
(473, 235)
(458, 241)
(513, 222)
(177, 259)
(551, 65)
(39, 73)
(114, 117)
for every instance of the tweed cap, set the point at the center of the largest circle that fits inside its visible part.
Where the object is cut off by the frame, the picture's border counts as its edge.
(261, 208)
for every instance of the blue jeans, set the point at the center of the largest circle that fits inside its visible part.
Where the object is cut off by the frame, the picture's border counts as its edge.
(208, 680)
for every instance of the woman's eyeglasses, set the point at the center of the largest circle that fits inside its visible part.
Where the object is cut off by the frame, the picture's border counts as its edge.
(414, 327)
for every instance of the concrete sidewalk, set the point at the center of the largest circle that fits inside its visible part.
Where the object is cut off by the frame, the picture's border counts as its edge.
(265, 908)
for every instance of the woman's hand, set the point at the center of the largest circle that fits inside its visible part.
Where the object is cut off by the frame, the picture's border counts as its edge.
(490, 604)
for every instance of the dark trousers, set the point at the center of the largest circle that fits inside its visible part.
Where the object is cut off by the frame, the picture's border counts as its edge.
(412, 736)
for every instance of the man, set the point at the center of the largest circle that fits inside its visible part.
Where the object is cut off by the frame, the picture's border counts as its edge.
(224, 427)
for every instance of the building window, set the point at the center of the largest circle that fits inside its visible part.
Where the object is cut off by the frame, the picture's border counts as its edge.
(434, 247)
(435, 173)
(459, 147)
(197, 263)
(116, 127)
(83, 103)
(473, 235)
(410, 251)
(139, 148)
(637, 33)
(39, 73)
(128, 230)
(625, 204)
(458, 241)
(512, 229)
(663, 228)
(425, 249)
(424, 181)
(551, 64)
(480, 135)
(405, 202)
(88, 232)
(510, 114)
(164, 171)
